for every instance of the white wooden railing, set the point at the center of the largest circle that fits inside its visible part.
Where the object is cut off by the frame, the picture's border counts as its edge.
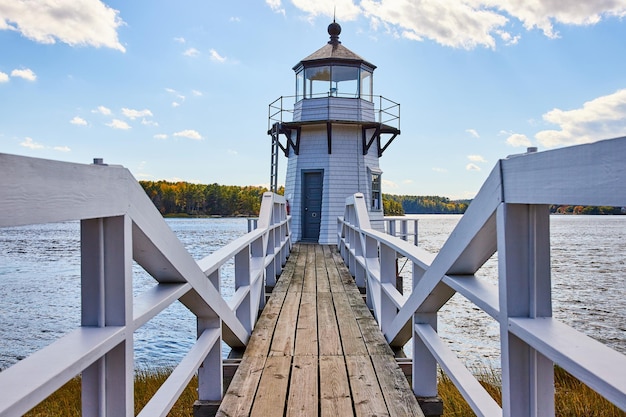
(509, 215)
(120, 224)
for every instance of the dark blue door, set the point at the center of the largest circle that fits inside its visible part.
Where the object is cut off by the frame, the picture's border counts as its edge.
(312, 205)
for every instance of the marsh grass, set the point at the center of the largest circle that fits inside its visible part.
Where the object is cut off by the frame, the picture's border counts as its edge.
(573, 398)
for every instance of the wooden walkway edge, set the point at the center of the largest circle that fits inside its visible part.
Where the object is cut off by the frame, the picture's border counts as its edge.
(316, 349)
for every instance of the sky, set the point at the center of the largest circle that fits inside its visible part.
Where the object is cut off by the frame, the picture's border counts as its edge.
(179, 91)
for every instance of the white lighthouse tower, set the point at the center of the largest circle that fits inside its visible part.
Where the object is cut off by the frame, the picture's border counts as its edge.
(338, 132)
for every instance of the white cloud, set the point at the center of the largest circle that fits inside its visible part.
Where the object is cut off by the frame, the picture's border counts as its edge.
(440, 170)
(76, 23)
(463, 24)
(149, 123)
(31, 144)
(78, 121)
(343, 9)
(102, 110)
(189, 134)
(543, 14)
(235, 19)
(4, 78)
(179, 39)
(175, 104)
(134, 114)
(601, 118)
(388, 184)
(215, 56)
(473, 133)
(476, 158)
(160, 136)
(26, 74)
(62, 149)
(518, 140)
(196, 93)
(472, 167)
(118, 124)
(276, 5)
(192, 52)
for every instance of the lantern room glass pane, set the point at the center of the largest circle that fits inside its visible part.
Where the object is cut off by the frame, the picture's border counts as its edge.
(345, 81)
(300, 85)
(317, 81)
(366, 85)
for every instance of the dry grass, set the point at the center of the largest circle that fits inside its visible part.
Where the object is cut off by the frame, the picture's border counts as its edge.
(66, 401)
(573, 397)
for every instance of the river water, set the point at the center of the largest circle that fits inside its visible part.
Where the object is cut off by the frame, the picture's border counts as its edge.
(40, 287)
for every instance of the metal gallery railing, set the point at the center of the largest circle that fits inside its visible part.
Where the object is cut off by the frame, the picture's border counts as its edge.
(119, 225)
(510, 216)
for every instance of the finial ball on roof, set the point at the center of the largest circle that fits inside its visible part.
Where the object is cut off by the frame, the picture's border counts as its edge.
(334, 29)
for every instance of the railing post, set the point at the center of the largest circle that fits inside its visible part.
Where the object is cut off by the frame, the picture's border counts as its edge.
(388, 309)
(106, 299)
(524, 284)
(210, 373)
(242, 278)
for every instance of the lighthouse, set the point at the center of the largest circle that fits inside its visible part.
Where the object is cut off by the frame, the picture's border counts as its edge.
(333, 136)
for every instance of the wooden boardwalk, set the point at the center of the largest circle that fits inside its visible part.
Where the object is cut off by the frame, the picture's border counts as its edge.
(316, 349)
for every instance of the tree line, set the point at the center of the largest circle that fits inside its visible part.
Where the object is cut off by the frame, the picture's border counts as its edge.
(412, 204)
(184, 198)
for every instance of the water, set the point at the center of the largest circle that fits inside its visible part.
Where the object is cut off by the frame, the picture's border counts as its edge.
(40, 287)
(588, 285)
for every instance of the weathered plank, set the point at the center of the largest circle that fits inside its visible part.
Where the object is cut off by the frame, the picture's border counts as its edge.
(400, 401)
(284, 337)
(306, 329)
(303, 395)
(335, 398)
(329, 341)
(367, 395)
(321, 270)
(261, 338)
(349, 330)
(310, 276)
(239, 397)
(271, 395)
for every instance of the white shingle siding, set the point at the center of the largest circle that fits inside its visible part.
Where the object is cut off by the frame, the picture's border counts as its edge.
(345, 172)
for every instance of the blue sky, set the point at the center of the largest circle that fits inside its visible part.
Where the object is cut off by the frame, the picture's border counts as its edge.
(180, 90)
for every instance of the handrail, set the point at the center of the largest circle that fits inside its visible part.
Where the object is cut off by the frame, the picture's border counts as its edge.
(120, 224)
(282, 109)
(509, 215)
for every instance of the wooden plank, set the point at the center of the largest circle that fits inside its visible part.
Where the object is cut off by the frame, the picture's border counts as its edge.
(328, 331)
(306, 329)
(349, 329)
(333, 274)
(366, 393)
(240, 394)
(271, 395)
(398, 394)
(283, 340)
(310, 271)
(303, 395)
(261, 338)
(321, 270)
(288, 270)
(297, 280)
(335, 399)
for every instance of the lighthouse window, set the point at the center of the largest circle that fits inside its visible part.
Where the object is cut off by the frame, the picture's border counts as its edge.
(376, 192)
(317, 82)
(345, 81)
(300, 85)
(366, 85)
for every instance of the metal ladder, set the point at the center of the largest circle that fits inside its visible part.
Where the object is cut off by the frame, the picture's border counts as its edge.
(274, 161)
